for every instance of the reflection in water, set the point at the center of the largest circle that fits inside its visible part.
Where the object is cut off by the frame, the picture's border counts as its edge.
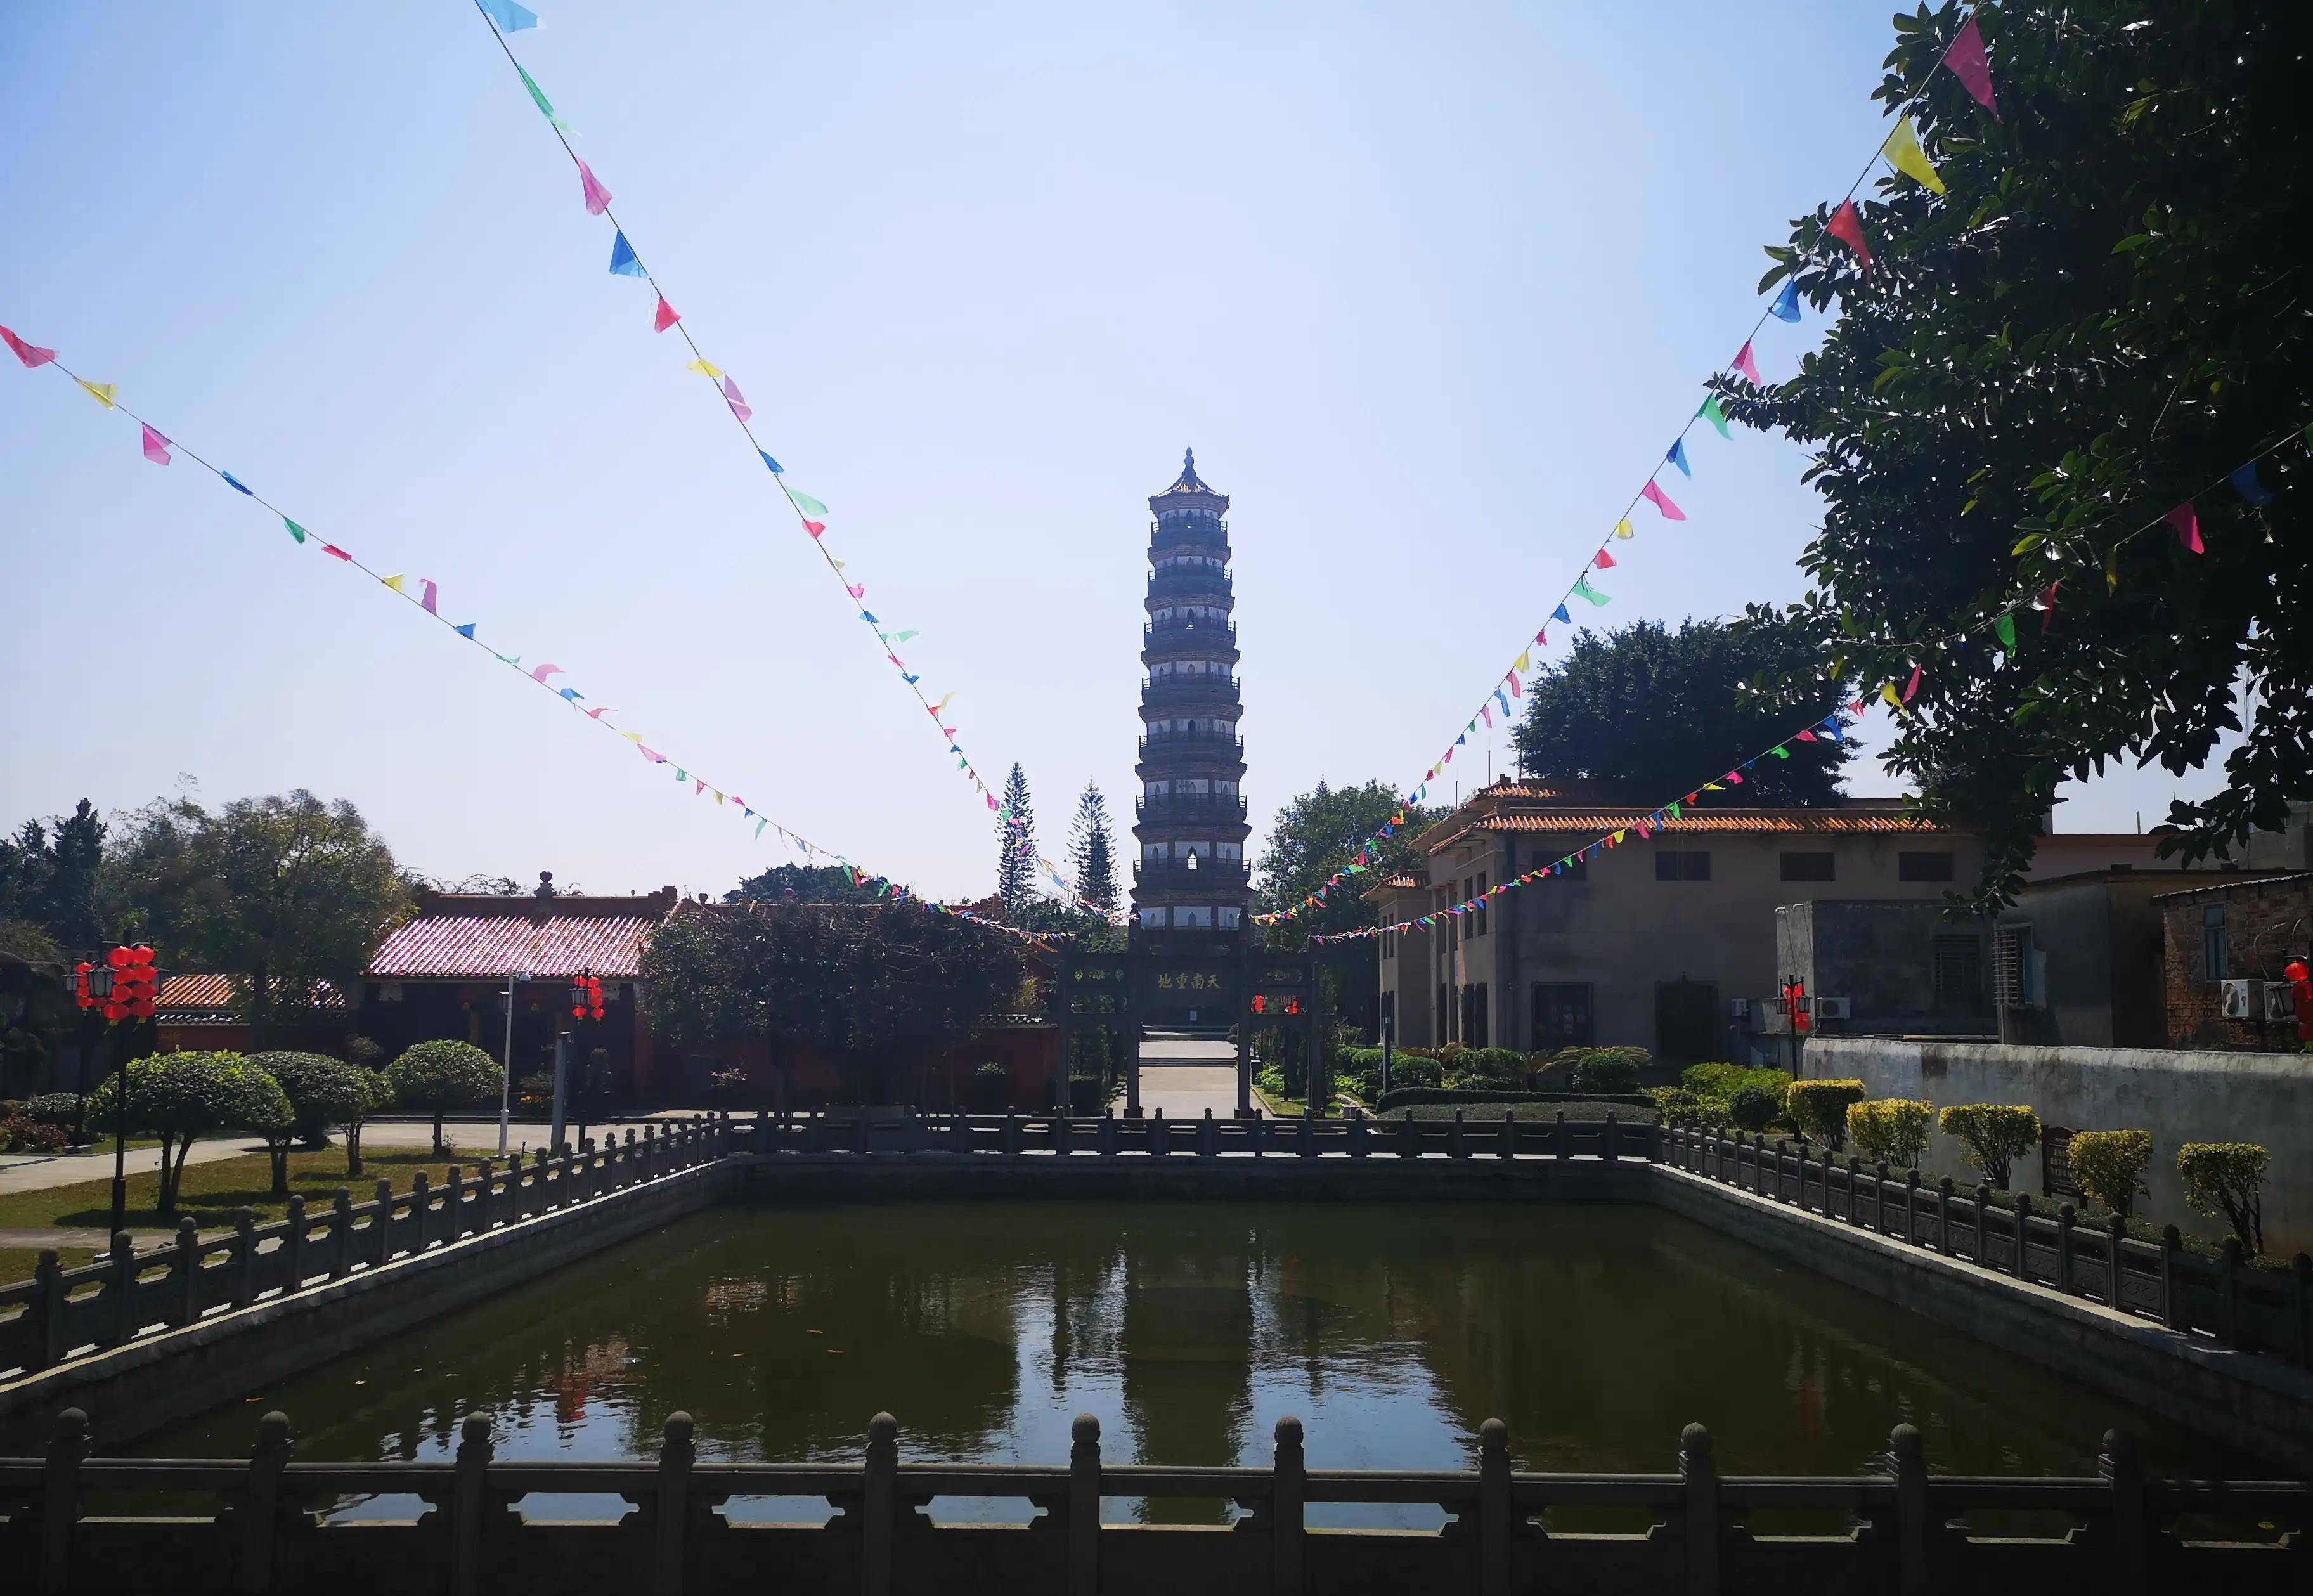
(1189, 1329)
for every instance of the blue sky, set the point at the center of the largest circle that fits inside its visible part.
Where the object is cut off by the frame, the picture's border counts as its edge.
(1429, 289)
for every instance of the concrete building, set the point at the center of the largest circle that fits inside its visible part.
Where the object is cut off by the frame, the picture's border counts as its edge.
(2238, 933)
(1892, 966)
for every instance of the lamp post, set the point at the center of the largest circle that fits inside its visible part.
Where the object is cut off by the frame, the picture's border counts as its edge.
(124, 988)
(505, 1081)
(585, 1005)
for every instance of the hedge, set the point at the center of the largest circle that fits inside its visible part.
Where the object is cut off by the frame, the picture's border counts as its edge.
(1407, 1095)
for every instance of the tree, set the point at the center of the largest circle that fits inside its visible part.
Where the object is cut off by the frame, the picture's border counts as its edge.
(49, 876)
(2227, 1178)
(1891, 1130)
(1016, 842)
(1316, 836)
(283, 892)
(1649, 714)
(2109, 1166)
(1994, 1135)
(876, 989)
(2101, 319)
(322, 1091)
(1092, 849)
(810, 884)
(183, 1096)
(435, 1077)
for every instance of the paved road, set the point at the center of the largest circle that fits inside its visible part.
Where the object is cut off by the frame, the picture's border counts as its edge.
(1185, 1076)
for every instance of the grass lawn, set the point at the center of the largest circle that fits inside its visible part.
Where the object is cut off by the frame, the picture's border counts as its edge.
(213, 1191)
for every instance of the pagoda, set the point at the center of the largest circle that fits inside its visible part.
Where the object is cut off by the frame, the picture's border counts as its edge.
(1190, 887)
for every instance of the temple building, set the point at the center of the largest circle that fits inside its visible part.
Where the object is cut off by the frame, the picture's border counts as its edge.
(1191, 876)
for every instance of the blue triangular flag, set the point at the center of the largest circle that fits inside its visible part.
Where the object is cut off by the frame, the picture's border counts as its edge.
(236, 482)
(868, 616)
(769, 462)
(466, 631)
(1677, 457)
(2244, 481)
(509, 17)
(623, 260)
(1830, 724)
(1787, 304)
(572, 694)
(1560, 614)
(911, 680)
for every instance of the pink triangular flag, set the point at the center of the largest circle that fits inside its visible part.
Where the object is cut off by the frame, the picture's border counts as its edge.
(598, 197)
(1653, 494)
(30, 354)
(1968, 63)
(1912, 686)
(544, 671)
(1806, 736)
(814, 527)
(1604, 561)
(666, 318)
(335, 553)
(2187, 524)
(1733, 778)
(1748, 366)
(739, 406)
(426, 603)
(2047, 610)
(598, 714)
(858, 592)
(1846, 224)
(156, 448)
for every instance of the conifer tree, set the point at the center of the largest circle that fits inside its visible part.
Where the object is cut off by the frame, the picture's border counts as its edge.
(1092, 849)
(1016, 843)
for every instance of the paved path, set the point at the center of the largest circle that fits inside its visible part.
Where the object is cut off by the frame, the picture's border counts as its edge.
(1184, 1078)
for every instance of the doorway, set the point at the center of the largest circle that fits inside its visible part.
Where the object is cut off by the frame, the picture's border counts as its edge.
(1686, 1021)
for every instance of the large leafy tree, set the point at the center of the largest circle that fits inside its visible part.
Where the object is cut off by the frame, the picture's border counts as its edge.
(1092, 849)
(1649, 714)
(281, 892)
(1016, 842)
(49, 876)
(876, 989)
(183, 1096)
(2104, 317)
(1318, 835)
(810, 884)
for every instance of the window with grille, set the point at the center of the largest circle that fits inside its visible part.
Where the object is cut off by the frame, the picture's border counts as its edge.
(2015, 964)
(1671, 864)
(1957, 963)
(1562, 1015)
(1809, 866)
(2216, 955)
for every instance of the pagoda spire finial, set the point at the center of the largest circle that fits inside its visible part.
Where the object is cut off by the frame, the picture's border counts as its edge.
(1188, 462)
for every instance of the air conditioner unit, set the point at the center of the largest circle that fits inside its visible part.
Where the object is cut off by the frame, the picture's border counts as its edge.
(2241, 999)
(1832, 1008)
(2280, 1003)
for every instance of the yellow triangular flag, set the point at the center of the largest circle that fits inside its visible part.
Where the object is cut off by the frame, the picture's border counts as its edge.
(1904, 155)
(833, 561)
(706, 368)
(393, 581)
(1887, 691)
(632, 737)
(941, 706)
(102, 391)
(1524, 661)
(1621, 834)
(1622, 529)
(718, 794)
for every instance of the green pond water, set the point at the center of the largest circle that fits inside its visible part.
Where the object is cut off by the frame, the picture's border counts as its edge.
(1189, 1329)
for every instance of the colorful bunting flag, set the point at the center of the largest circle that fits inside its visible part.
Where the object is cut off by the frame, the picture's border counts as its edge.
(394, 582)
(1677, 457)
(1622, 529)
(1582, 589)
(538, 98)
(156, 448)
(1747, 365)
(739, 406)
(465, 631)
(1561, 617)
(334, 553)
(30, 354)
(2187, 524)
(806, 503)
(1602, 560)
(509, 17)
(103, 392)
(544, 671)
(1902, 152)
(2003, 625)
(590, 189)
(769, 462)
(1786, 307)
(1968, 63)
(624, 262)
(1846, 224)
(1912, 685)
(2047, 608)
(665, 316)
(235, 483)
(1716, 417)
(295, 531)
(2246, 484)
(1654, 495)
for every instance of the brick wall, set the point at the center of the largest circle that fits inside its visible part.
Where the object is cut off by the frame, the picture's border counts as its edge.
(2266, 922)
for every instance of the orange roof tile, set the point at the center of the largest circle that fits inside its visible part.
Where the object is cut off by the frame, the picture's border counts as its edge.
(1596, 822)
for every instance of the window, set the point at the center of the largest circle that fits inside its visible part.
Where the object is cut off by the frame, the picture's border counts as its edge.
(1957, 966)
(1923, 867)
(1197, 918)
(2215, 954)
(2019, 968)
(1226, 917)
(1473, 1015)
(1152, 917)
(1562, 1015)
(1671, 864)
(1809, 866)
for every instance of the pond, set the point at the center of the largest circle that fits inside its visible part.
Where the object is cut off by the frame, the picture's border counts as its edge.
(1189, 1329)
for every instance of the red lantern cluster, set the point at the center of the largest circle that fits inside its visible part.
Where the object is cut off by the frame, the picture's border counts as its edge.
(128, 988)
(585, 998)
(2301, 990)
(1797, 1005)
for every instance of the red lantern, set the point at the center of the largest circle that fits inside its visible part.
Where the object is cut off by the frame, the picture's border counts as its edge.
(79, 985)
(1257, 1003)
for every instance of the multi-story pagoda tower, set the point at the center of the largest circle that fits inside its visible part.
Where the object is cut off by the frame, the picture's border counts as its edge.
(1190, 876)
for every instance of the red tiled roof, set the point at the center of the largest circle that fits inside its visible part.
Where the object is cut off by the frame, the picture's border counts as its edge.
(183, 998)
(462, 937)
(1595, 822)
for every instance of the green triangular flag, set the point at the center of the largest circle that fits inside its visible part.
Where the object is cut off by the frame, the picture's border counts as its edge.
(295, 531)
(806, 503)
(1671, 810)
(545, 106)
(1582, 589)
(1780, 752)
(1712, 413)
(2006, 627)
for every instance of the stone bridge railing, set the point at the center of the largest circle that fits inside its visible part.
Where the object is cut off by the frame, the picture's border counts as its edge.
(130, 1295)
(262, 1525)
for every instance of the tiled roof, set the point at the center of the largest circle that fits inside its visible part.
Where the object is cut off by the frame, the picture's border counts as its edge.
(459, 937)
(2238, 884)
(184, 998)
(1189, 485)
(1594, 822)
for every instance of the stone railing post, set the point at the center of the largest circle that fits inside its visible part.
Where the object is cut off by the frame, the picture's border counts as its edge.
(676, 1454)
(1455, 1137)
(1911, 1207)
(1698, 1519)
(293, 1243)
(258, 1513)
(1084, 1506)
(1508, 1146)
(1614, 1137)
(1854, 1183)
(1559, 1149)
(1289, 1493)
(421, 1199)
(1908, 1462)
(1409, 1137)
(122, 1287)
(185, 1271)
(1879, 1198)
(2127, 1539)
(469, 1504)
(1208, 1137)
(1011, 1133)
(341, 1234)
(1104, 1138)
(879, 1493)
(2228, 1293)
(454, 1204)
(2065, 1219)
(2300, 1284)
(1307, 1143)
(1983, 1259)
(381, 1223)
(1357, 1148)
(2023, 1235)
(2172, 1247)
(1494, 1507)
(60, 1498)
(54, 1303)
(1943, 1215)
(244, 1256)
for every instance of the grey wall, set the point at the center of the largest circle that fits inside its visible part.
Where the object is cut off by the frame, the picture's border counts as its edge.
(2178, 1096)
(1878, 954)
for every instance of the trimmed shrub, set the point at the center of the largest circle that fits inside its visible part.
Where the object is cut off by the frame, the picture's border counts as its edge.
(322, 1091)
(1400, 1097)
(2227, 1179)
(1608, 1071)
(1410, 1071)
(1754, 1108)
(1993, 1133)
(1724, 1080)
(1491, 1066)
(2108, 1166)
(1891, 1130)
(20, 1135)
(52, 1109)
(1820, 1107)
(1270, 1080)
(183, 1097)
(435, 1077)
(1674, 1102)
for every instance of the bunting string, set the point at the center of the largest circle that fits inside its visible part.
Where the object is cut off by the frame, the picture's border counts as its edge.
(1965, 57)
(163, 449)
(505, 17)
